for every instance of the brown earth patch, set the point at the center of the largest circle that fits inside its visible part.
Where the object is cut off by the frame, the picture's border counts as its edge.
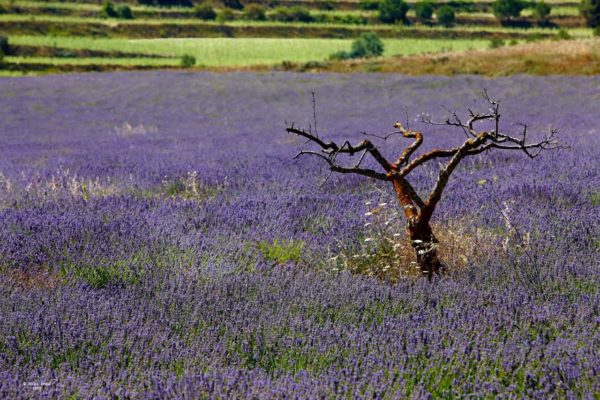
(569, 57)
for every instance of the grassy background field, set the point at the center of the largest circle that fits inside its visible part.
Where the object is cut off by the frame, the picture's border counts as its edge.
(242, 51)
(73, 35)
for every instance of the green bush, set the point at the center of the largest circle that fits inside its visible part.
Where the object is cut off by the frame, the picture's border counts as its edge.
(225, 15)
(541, 11)
(367, 45)
(292, 14)
(172, 3)
(255, 12)
(3, 9)
(234, 4)
(392, 11)
(188, 61)
(496, 43)
(424, 10)
(368, 4)
(340, 55)
(301, 14)
(562, 34)
(334, 18)
(445, 16)
(590, 10)
(124, 12)
(506, 9)
(327, 5)
(108, 10)
(4, 46)
(597, 31)
(205, 11)
(351, 19)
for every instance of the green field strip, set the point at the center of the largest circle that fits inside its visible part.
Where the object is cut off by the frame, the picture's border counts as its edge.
(245, 51)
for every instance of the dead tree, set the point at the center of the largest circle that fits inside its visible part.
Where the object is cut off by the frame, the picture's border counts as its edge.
(419, 211)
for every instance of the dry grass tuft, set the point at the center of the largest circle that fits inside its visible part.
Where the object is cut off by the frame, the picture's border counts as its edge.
(386, 252)
(566, 57)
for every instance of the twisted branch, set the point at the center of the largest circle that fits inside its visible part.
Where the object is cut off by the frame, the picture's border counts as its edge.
(477, 142)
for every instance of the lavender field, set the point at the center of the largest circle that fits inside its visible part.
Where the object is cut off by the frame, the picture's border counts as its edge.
(159, 241)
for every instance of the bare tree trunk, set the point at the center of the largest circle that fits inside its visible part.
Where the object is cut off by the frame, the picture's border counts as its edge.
(425, 245)
(419, 231)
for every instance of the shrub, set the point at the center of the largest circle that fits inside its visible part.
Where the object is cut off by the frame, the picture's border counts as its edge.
(392, 11)
(597, 31)
(353, 19)
(590, 10)
(368, 4)
(507, 9)
(327, 5)
(3, 10)
(292, 14)
(301, 14)
(234, 4)
(225, 15)
(174, 3)
(445, 16)
(347, 19)
(563, 34)
(108, 10)
(4, 46)
(124, 12)
(367, 45)
(281, 14)
(255, 12)
(205, 11)
(424, 10)
(541, 11)
(166, 3)
(340, 55)
(496, 43)
(188, 61)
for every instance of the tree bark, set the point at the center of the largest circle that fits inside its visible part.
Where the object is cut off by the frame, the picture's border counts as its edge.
(425, 245)
(419, 231)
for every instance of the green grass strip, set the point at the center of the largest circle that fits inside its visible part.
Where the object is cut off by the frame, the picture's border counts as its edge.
(244, 51)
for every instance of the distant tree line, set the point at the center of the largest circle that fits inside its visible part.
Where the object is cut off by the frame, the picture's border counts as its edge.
(388, 11)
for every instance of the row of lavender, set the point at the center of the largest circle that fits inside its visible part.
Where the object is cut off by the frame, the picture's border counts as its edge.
(158, 240)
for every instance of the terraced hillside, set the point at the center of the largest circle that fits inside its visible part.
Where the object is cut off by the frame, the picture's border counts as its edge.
(84, 36)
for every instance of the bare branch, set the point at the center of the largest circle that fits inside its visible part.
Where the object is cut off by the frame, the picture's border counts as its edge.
(404, 157)
(330, 150)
